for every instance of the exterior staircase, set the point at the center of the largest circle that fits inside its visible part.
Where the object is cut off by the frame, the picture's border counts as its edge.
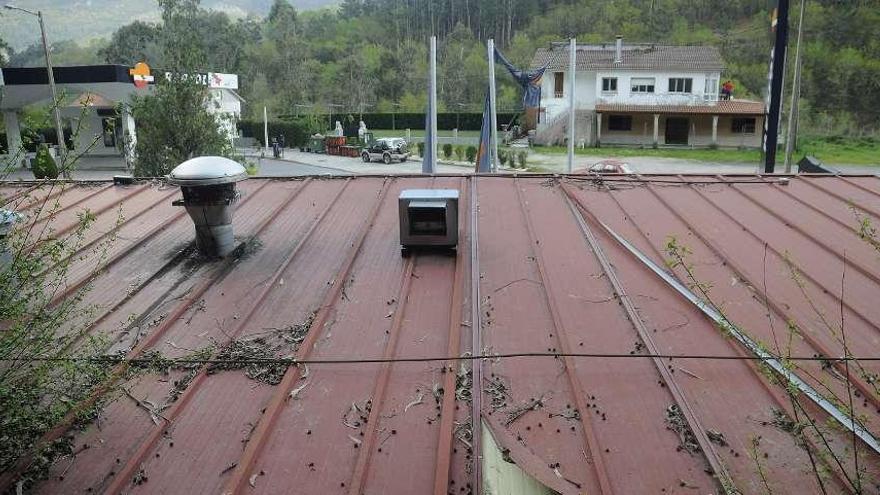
(555, 132)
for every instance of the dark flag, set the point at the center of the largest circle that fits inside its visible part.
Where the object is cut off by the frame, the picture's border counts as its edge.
(484, 165)
(530, 82)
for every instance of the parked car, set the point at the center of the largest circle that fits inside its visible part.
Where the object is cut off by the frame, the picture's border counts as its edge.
(387, 150)
(607, 167)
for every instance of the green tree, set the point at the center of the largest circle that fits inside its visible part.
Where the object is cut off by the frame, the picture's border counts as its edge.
(132, 43)
(175, 123)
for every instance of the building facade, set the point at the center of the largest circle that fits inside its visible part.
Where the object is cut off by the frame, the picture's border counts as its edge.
(95, 104)
(643, 95)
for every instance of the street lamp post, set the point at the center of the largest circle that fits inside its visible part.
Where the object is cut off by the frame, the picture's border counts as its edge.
(59, 130)
(394, 106)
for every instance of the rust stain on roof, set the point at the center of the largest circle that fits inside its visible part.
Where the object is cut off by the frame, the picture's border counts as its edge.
(323, 279)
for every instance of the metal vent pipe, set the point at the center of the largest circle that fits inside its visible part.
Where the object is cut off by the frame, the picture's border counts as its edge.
(209, 194)
(618, 50)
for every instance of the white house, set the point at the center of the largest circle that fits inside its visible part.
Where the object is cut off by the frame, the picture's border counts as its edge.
(95, 98)
(643, 95)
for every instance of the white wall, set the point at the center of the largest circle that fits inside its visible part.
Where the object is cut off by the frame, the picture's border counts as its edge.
(228, 106)
(589, 90)
(661, 94)
(89, 128)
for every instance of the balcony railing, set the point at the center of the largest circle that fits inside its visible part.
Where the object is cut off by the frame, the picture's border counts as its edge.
(657, 99)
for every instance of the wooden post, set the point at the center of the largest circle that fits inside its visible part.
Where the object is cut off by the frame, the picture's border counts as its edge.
(598, 129)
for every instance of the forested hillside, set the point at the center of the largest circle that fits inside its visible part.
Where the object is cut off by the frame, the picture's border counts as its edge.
(370, 55)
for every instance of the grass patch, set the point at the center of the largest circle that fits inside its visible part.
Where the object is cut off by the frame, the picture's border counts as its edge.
(702, 154)
(841, 150)
(832, 150)
(419, 133)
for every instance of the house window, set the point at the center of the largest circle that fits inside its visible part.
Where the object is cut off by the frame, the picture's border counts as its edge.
(609, 85)
(642, 85)
(108, 132)
(620, 123)
(743, 125)
(680, 85)
(559, 84)
(710, 93)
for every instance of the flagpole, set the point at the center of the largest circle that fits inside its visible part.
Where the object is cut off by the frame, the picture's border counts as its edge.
(433, 104)
(265, 130)
(493, 136)
(571, 60)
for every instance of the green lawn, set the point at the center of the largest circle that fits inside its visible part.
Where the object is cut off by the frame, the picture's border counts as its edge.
(830, 150)
(420, 133)
(834, 150)
(707, 155)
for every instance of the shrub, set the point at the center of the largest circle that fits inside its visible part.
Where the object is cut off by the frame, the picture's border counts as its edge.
(251, 167)
(421, 146)
(522, 157)
(447, 151)
(502, 158)
(471, 153)
(44, 165)
(459, 153)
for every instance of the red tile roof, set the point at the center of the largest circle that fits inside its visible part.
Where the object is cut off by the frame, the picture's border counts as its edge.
(723, 107)
(535, 273)
(634, 56)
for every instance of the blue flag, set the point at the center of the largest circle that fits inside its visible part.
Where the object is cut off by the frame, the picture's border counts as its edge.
(484, 164)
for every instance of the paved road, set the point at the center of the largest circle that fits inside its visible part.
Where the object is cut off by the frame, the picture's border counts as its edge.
(277, 168)
(297, 163)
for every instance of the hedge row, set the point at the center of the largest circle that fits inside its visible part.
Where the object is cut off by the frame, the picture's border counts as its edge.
(295, 133)
(463, 121)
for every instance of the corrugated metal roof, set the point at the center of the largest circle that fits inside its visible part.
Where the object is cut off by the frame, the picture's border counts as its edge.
(723, 107)
(327, 261)
(638, 56)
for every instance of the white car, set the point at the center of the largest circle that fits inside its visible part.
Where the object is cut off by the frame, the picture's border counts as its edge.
(610, 167)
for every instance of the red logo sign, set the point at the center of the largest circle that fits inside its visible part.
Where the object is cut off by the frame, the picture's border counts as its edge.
(141, 75)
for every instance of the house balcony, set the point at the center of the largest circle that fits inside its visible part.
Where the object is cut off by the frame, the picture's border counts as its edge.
(659, 99)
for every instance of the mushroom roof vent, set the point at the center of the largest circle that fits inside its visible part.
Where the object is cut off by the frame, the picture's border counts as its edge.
(207, 171)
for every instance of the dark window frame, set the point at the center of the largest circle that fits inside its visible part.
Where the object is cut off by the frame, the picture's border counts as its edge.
(609, 85)
(559, 84)
(621, 123)
(642, 88)
(681, 85)
(743, 125)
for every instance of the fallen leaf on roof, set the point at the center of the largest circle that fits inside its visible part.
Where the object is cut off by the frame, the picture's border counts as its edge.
(416, 401)
(295, 392)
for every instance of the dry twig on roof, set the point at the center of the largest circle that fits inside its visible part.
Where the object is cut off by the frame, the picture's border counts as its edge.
(518, 411)
(255, 352)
